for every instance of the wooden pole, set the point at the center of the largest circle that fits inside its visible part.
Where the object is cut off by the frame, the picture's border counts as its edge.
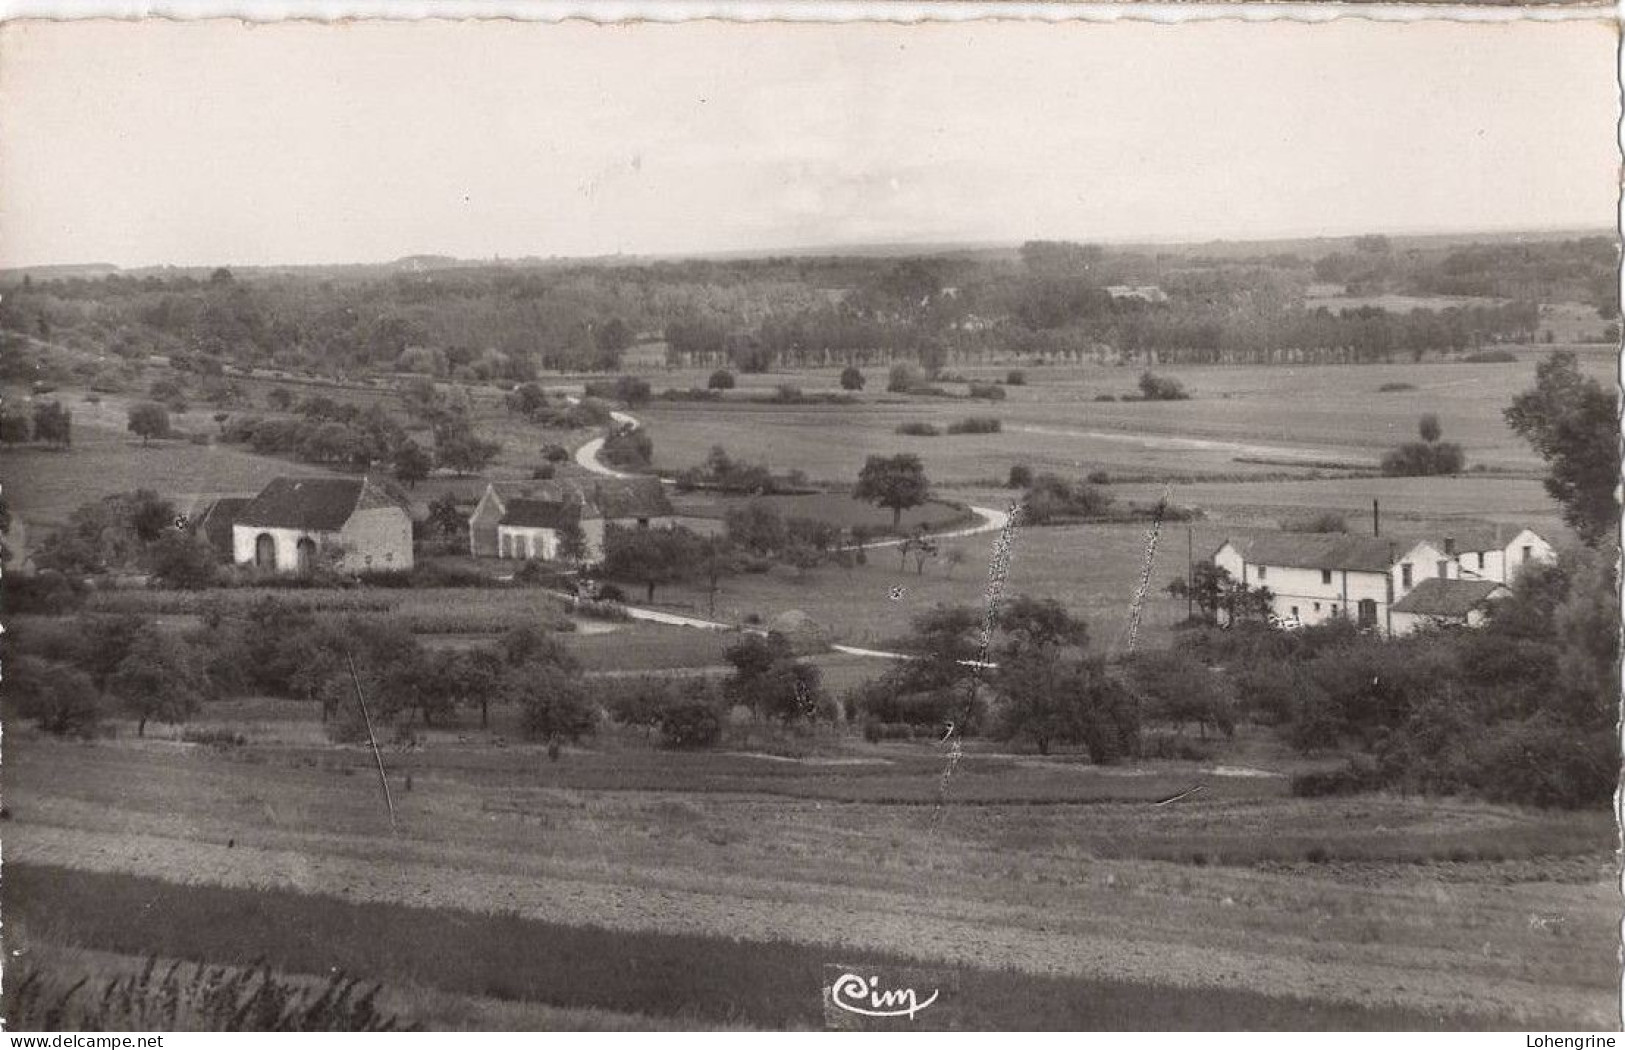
(372, 740)
(1190, 571)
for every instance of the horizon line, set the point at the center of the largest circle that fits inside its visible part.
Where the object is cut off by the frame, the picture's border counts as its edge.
(922, 245)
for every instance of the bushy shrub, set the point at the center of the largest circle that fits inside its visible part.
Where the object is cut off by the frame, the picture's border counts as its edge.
(1021, 476)
(1357, 776)
(1052, 498)
(852, 378)
(1423, 459)
(1105, 397)
(1394, 388)
(1161, 388)
(976, 425)
(721, 379)
(690, 723)
(917, 429)
(986, 392)
(1015, 377)
(1489, 357)
(903, 378)
(555, 453)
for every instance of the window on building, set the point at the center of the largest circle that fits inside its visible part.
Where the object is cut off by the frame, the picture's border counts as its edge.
(1294, 612)
(1405, 575)
(1263, 570)
(1317, 607)
(1444, 569)
(1326, 577)
(1481, 561)
(1527, 551)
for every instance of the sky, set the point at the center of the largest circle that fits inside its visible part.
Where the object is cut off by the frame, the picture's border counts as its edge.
(207, 143)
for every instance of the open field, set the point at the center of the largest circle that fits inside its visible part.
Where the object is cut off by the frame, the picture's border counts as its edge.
(1207, 910)
(45, 486)
(1292, 414)
(834, 508)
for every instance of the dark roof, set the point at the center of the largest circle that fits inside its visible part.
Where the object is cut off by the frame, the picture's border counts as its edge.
(629, 498)
(536, 513)
(217, 519)
(317, 504)
(1451, 598)
(1292, 550)
(612, 498)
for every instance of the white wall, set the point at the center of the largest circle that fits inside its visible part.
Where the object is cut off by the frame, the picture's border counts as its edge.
(523, 542)
(1337, 592)
(374, 540)
(378, 539)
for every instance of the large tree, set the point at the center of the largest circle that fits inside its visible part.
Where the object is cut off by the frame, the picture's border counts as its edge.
(894, 482)
(1573, 422)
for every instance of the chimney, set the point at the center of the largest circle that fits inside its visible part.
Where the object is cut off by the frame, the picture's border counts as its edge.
(1450, 546)
(1376, 519)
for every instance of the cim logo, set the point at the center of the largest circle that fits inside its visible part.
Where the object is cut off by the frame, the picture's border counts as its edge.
(865, 996)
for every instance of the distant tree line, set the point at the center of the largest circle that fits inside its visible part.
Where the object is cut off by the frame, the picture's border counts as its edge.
(502, 323)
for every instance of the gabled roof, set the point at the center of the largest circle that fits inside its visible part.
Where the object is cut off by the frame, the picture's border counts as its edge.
(218, 517)
(536, 513)
(611, 498)
(316, 504)
(1293, 550)
(1447, 598)
(1482, 537)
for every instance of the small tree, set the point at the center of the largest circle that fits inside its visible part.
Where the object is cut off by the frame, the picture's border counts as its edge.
(894, 482)
(53, 424)
(1428, 427)
(952, 559)
(1021, 477)
(721, 379)
(852, 378)
(158, 678)
(554, 706)
(14, 429)
(148, 419)
(412, 463)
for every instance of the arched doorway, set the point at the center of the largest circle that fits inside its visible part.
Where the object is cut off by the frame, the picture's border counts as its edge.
(306, 549)
(265, 551)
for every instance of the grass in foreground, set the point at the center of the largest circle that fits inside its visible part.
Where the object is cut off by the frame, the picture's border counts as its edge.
(702, 980)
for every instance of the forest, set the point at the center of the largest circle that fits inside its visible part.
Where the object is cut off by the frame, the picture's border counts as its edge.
(1049, 299)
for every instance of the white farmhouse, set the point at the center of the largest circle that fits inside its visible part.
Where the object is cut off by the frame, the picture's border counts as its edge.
(283, 528)
(513, 508)
(1496, 552)
(1314, 577)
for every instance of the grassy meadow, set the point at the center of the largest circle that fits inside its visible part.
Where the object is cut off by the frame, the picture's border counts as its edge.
(1291, 416)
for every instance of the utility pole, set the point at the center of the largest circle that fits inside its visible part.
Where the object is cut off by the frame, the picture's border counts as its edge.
(1190, 572)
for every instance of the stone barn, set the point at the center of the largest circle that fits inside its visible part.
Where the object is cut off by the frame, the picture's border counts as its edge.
(365, 522)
